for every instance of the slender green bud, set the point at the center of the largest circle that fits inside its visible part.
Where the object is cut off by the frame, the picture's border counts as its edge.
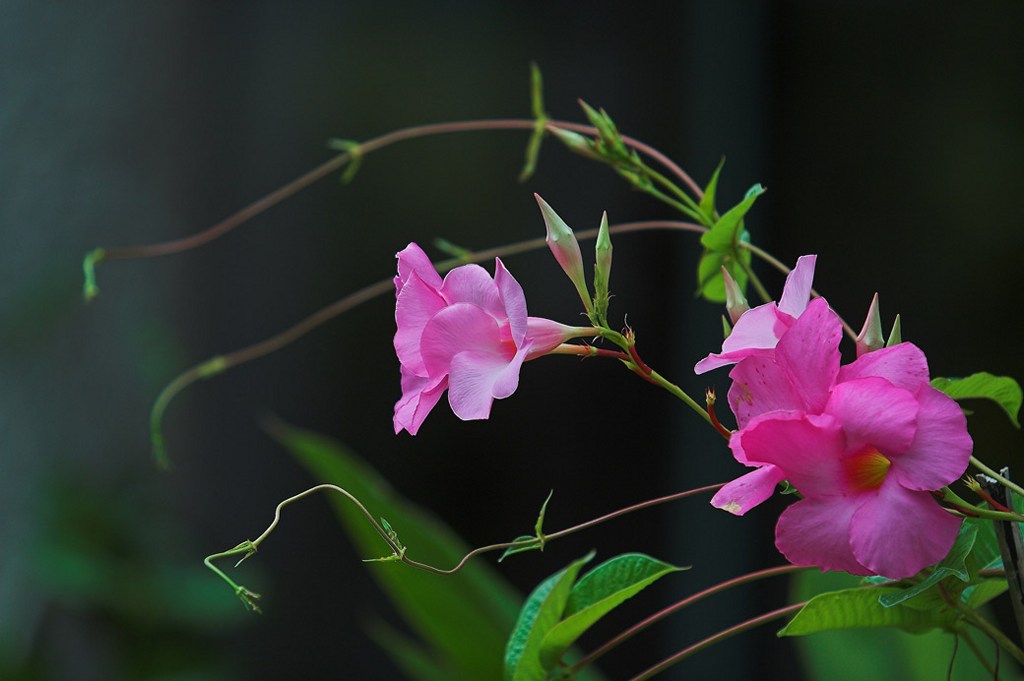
(602, 270)
(896, 335)
(870, 337)
(576, 143)
(735, 303)
(566, 250)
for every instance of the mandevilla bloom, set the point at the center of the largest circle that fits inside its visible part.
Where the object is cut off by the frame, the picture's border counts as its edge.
(467, 333)
(758, 331)
(863, 443)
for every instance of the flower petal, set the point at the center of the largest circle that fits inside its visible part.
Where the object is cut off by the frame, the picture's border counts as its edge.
(413, 259)
(809, 354)
(756, 332)
(759, 386)
(817, 532)
(459, 328)
(875, 413)
(903, 365)
(807, 449)
(417, 303)
(471, 383)
(942, 447)
(513, 301)
(544, 335)
(898, 532)
(472, 284)
(419, 395)
(797, 291)
(748, 491)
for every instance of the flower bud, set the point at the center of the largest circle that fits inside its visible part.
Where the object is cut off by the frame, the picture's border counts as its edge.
(602, 269)
(870, 337)
(735, 303)
(566, 250)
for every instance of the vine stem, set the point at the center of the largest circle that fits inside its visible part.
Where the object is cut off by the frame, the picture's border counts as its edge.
(676, 607)
(716, 638)
(399, 551)
(337, 162)
(1005, 482)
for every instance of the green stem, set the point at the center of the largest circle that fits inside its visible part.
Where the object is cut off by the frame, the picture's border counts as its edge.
(951, 497)
(1009, 484)
(990, 630)
(754, 280)
(720, 636)
(978, 653)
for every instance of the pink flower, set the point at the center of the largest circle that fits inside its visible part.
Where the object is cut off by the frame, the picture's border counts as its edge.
(758, 331)
(863, 444)
(468, 334)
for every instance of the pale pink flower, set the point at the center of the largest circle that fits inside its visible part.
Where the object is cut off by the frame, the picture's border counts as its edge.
(468, 334)
(759, 330)
(863, 444)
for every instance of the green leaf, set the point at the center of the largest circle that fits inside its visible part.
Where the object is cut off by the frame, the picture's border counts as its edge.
(896, 335)
(1002, 390)
(464, 618)
(710, 284)
(724, 234)
(599, 591)
(707, 202)
(541, 612)
(417, 663)
(894, 655)
(859, 608)
(951, 566)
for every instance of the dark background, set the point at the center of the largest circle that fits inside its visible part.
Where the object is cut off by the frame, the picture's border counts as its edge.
(889, 135)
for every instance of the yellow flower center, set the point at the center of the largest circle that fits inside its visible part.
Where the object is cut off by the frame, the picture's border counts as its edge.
(868, 469)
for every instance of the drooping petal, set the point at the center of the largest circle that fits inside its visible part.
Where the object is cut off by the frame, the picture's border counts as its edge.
(513, 301)
(413, 259)
(809, 354)
(898, 532)
(459, 328)
(417, 303)
(471, 383)
(472, 284)
(903, 365)
(506, 382)
(797, 291)
(756, 333)
(817, 532)
(748, 491)
(419, 395)
(875, 413)
(759, 386)
(807, 449)
(941, 448)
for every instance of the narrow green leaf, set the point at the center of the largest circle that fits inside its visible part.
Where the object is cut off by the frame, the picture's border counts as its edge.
(539, 525)
(540, 122)
(724, 234)
(463, 618)
(952, 565)
(541, 611)
(1002, 390)
(858, 609)
(707, 202)
(512, 550)
(598, 592)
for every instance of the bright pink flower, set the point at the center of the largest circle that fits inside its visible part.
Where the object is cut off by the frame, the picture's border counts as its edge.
(863, 444)
(758, 331)
(467, 333)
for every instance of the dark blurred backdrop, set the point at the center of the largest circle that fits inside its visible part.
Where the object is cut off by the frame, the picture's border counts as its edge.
(889, 135)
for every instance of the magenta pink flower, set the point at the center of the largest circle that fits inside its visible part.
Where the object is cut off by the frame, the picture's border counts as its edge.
(863, 444)
(759, 330)
(468, 334)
